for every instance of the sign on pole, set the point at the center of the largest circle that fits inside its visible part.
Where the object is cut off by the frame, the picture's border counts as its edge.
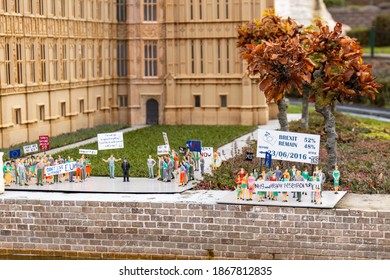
(289, 146)
(108, 141)
(194, 145)
(163, 150)
(30, 148)
(165, 136)
(88, 152)
(44, 142)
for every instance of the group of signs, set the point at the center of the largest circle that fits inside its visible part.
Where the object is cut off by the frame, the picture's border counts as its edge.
(192, 145)
(106, 141)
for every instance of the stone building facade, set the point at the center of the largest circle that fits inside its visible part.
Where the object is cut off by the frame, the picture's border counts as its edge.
(72, 64)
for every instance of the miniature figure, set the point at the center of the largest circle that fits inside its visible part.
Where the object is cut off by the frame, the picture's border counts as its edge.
(318, 196)
(261, 194)
(111, 164)
(336, 179)
(244, 187)
(251, 185)
(238, 186)
(7, 173)
(215, 158)
(125, 168)
(298, 177)
(39, 167)
(202, 163)
(150, 163)
(278, 173)
(274, 195)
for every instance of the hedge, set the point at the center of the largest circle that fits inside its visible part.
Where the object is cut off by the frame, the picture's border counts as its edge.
(382, 28)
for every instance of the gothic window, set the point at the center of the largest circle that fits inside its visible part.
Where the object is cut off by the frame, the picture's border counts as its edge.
(150, 10)
(219, 56)
(200, 9)
(192, 57)
(122, 59)
(55, 62)
(121, 10)
(63, 109)
(201, 57)
(17, 6)
(100, 61)
(7, 63)
(41, 7)
(227, 57)
(197, 101)
(41, 111)
(63, 8)
(82, 59)
(17, 116)
(227, 9)
(43, 62)
(81, 106)
(32, 64)
(150, 58)
(223, 101)
(122, 100)
(64, 63)
(19, 63)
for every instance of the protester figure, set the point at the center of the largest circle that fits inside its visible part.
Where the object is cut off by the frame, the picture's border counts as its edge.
(298, 177)
(111, 165)
(336, 179)
(39, 168)
(151, 163)
(215, 158)
(7, 173)
(125, 168)
(21, 169)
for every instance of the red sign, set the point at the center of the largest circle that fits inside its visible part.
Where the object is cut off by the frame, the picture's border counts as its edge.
(44, 142)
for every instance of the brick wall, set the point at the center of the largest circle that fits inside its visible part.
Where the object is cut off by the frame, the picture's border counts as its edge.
(190, 231)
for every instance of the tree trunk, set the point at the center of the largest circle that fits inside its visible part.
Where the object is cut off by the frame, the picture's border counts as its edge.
(330, 129)
(305, 108)
(282, 115)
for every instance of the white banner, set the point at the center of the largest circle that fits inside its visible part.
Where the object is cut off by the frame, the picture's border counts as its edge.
(289, 146)
(108, 141)
(207, 154)
(88, 152)
(60, 168)
(304, 186)
(163, 150)
(30, 148)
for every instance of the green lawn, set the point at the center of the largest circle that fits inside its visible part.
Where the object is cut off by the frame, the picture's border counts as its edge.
(377, 50)
(143, 142)
(297, 109)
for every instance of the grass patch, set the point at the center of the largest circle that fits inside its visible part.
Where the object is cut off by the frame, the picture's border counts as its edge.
(141, 143)
(377, 50)
(297, 109)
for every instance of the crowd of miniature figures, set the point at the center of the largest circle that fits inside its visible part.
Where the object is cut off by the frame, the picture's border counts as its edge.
(170, 167)
(23, 171)
(245, 183)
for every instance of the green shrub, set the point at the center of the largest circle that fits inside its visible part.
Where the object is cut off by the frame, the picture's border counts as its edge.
(361, 34)
(382, 29)
(334, 3)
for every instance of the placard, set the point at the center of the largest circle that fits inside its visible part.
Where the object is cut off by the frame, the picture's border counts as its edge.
(304, 186)
(60, 168)
(44, 142)
(108, 141)
(289, 146)
(207, 154)
(88, 152)
(30, 148)
(163, 150)
(14, 153)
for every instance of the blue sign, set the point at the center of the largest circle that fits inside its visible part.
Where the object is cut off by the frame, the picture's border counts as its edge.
(268, 159)
(194, 145)
(14, 153)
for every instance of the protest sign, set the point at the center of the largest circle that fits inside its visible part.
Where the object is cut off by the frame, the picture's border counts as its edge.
(30, 148)
(194, 145)
(302, 186)
(163, 150)
(60, 168)
(14, 153)
(108, 141)
(44, 142)
(88, 152)
(290, 146)
(207, 154)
